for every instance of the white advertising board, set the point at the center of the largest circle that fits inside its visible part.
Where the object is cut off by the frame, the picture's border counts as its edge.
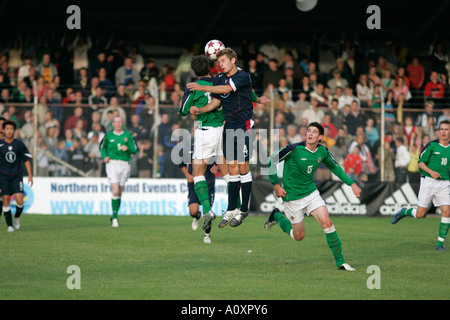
(92, 196)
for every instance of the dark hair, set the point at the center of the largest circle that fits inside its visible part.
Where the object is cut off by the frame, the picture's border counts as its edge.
(444, 121)
(9, 122)
(200, 65)
(318, 126)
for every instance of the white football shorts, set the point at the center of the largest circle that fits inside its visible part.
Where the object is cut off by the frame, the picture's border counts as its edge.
(433, 190)
(295, 210)
(208, 143)
(118, 171)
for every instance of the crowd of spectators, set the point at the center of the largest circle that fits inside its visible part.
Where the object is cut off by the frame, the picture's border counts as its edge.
(81, 83)
(344, 90)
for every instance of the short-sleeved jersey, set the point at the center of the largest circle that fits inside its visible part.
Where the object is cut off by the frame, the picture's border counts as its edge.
(12, 157)
(200, 99)
(437, 158)
(300, 164)
(112, 143)
(237, 105)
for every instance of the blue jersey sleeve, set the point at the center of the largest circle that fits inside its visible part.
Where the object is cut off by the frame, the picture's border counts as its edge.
(25, 154)
(240, 80)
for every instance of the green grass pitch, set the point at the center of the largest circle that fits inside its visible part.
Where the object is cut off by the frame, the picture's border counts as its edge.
(162, 258)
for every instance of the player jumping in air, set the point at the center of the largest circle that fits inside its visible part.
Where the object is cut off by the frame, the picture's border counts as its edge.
(208, 136)
(233, 91)
(299, 192)
(434, 164)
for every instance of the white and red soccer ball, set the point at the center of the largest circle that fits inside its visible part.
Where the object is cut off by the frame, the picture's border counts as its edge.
(212, 48)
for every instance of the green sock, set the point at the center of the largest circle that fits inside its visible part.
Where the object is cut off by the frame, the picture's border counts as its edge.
(202, 191)
(283, 222)
(409, 213)
(335, 245)
(115, 204)
(443, 231)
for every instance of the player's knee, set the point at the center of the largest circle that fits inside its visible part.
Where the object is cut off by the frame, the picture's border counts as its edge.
(246, 177)
(244, 168)
(330, 229)
(115, 195)
(327, 224)
(299, 236)
(420, 213)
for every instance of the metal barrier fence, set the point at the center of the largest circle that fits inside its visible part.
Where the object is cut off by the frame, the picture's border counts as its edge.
(64, 138)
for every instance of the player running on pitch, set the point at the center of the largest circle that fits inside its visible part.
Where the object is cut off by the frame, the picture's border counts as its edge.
(13, 155)
(299, 192)
(116, 149)
(434, 164)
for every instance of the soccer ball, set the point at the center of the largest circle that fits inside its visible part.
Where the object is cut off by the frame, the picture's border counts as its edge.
(212, 47)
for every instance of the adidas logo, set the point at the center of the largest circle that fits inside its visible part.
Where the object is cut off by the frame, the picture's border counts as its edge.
(343, 201)
(404, 197)
(270, 202)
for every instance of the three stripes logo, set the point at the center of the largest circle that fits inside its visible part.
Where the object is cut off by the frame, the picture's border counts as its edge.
(343, 201)
(271, 202)
(404, 197)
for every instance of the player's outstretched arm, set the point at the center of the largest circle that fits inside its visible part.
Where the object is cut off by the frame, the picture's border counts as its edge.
(262, 99)
(220, 89)
(215, 103)
(356, 190)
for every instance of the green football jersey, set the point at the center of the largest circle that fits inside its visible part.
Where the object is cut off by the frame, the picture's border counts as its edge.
(437, 158)
(200, 99)
(112, 143)
(299, 166)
